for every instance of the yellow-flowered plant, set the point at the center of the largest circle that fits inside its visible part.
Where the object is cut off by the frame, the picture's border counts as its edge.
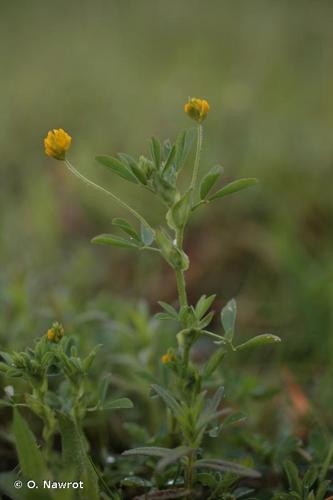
(193, 413)
(168, 357)
(55, 333)
(197, 109)
(57, 143)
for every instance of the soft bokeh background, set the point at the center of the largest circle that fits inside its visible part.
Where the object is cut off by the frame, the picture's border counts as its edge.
(114, 73)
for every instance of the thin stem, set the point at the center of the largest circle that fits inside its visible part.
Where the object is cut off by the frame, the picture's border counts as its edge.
(151, 249)
(181, 285)
(189, 472)
(181, 288)
(73, 170)
(197, 157)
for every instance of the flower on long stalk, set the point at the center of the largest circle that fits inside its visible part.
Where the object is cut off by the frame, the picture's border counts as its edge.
(57, 143)
(197, 109)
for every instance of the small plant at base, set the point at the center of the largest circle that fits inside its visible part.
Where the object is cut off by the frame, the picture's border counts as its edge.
(60, 394)
(193, 413)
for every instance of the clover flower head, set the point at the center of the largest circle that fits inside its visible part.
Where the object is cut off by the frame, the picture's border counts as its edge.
(168, 357)
(56, 143)
(55, 333)
(197, 109)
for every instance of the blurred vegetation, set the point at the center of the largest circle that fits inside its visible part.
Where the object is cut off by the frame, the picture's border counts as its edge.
(113, 73)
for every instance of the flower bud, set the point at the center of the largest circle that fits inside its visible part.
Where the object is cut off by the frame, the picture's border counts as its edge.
(56, 143)
(168, 357)
(55, 333)
(146, 166)
(197, 109)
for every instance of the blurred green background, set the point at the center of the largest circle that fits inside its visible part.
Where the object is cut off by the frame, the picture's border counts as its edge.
(114, 73)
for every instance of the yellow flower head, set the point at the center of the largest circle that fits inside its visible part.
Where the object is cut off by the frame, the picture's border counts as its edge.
(197, 109)
(56, 143)
(168, 357)
(55, 333)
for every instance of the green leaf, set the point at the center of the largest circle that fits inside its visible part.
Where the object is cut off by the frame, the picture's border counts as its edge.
(210, 412)
(164, 188)
(322, 489)
(126, 227)
(7, 358)
(181, 210)
(116, 241)
(243, 493)
(259, 340)
(175, 257)
(228, 318)
(134, 167)
(327, 462)
(205, 321)
(294, 480)
(74, 457)
(168, 399)
(209, 180)
(173, 456)
(88, 360)
(235, 418)
(215, 401)
(225, 466)
(184, 145)
(3, 367)
(147, 235)
(103, 387)
(214, 361)
(30, 457)
(233, 187)
(136, 481)
(117, 167)
(148, 451)
(118, 404)
(155, 151)
(163, 316)
(310, 477)
(203, 305)
(169, 309)
(170, 159)
(207, 479)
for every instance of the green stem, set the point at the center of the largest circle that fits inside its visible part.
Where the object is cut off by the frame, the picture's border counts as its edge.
(181, 288)
(73, 170)
(181, 285)
(189, 472)
(197, 157)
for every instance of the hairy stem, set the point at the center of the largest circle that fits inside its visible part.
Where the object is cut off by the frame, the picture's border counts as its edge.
(181, 285)
(181, 288)
(197, 156)
(189, 472)
(73, 170)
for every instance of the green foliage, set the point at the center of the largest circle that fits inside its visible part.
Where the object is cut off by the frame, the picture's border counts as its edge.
(75, 458)
(173, 456)
(30, 457)
(233, 187)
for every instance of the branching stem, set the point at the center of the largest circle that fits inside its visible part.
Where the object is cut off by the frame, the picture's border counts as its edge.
(73, 170)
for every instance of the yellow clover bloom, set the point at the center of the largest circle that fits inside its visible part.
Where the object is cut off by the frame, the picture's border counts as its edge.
(168, 357)
(56, 143)
(197, 109)
(55, 333)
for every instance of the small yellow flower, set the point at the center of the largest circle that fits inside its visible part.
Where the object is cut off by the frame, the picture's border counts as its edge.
(50, 335)
(168, 357)
(197, 109)
(55, 333)
(56, 143)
